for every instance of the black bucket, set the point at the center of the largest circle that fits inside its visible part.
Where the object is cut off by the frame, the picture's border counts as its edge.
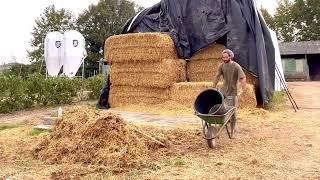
(210, 102)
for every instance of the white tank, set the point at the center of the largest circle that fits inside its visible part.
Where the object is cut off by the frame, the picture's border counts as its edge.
(278, 82)
(74, 52)
(53, 53)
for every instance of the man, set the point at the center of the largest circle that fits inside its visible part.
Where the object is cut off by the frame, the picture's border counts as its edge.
(103, 102)
(233, 75)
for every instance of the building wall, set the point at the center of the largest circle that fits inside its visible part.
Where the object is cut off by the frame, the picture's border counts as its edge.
(295, 69)
(314, 66)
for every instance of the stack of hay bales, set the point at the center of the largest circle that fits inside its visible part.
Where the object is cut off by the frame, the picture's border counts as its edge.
(201, 70)
(144, 67)
(146, 70)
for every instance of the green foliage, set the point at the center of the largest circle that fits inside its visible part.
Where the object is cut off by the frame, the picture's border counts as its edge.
(268, 18)
(38, 89)
(96, 23)
(278, 97)
(7, 126)
(22, 70)
(179, 162)
(12, 94)
(297, 20)
(100, 21)
(278, 100)
(94, 84)
(50, 20)
(62, 90)
(36, 132)
(17, 93)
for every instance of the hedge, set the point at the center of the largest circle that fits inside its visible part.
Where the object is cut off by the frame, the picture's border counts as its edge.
(17, 93)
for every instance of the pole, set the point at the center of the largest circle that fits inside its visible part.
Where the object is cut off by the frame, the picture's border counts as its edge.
(82, 69)
(285, 86)
(282, 82)
(286, 91)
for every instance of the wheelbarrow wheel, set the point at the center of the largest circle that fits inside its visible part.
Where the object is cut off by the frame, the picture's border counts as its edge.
(210, 134)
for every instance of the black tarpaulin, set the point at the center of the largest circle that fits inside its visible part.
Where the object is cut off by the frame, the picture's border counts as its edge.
(194, 24)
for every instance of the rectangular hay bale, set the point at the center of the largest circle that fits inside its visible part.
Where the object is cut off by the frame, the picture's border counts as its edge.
(139, 47)
(213, 51)
(186, 92)
(160, 74)
(206, 69)
(126, 95)
(202, 70)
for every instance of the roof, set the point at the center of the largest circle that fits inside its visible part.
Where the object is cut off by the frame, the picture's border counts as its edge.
(303, 47)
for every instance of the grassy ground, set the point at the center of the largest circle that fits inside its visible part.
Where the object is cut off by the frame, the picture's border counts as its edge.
(277, 144)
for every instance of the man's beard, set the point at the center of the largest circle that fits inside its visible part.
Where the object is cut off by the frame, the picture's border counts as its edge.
(227, 61)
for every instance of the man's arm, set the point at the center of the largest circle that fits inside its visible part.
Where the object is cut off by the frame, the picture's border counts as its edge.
(242, 80)
(217, 76)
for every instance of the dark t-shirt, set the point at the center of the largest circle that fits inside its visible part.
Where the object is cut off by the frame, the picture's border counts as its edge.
(231, 73)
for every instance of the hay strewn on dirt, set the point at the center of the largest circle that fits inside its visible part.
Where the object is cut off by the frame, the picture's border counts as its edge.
(160, 74)
(88, 136)
(139, 47)
(124, 95)
(186, 93)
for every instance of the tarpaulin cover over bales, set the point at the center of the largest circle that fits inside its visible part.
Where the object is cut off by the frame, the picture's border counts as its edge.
(194, 24)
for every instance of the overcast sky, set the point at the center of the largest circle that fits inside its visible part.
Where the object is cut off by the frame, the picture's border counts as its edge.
(17, 20)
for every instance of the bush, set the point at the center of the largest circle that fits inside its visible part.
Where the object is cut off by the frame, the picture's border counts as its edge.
(38, 89)
(17, 93)
(12, 94)
(95, 84)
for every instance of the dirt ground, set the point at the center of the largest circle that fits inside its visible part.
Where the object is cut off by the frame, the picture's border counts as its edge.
(275, 144)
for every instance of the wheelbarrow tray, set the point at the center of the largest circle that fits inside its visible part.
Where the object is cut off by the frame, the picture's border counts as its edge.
(217, 119)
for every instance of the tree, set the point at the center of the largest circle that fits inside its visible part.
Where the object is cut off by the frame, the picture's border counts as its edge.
(311, 20)
(100, 21)
(284, 22)
(51, 20)
(297, 20)
(268, 18)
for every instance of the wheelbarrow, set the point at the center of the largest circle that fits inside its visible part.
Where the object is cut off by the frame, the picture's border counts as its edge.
(213, 122)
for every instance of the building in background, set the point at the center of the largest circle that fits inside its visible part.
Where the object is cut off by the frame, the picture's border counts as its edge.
(301, 60)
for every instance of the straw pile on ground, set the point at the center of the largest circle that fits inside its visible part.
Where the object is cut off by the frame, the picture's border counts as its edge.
(186, 93)
(85, 135)
(144, 67)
